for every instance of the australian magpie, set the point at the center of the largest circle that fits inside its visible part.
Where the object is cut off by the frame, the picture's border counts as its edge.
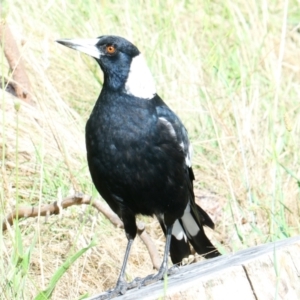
(139, 154)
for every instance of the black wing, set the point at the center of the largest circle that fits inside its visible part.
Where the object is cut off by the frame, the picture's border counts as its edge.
(190, 226)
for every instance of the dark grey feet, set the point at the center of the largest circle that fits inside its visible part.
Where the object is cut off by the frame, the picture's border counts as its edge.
(159, 276)
(122, 286)
(174, 269)
(120, 289)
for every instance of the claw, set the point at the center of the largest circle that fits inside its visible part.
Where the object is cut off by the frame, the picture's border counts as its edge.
(152, 279)
(120, 289)
(135, 283)
(173, 270)
(159, 276)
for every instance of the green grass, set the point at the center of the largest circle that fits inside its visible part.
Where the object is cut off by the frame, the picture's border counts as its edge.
(227, 68)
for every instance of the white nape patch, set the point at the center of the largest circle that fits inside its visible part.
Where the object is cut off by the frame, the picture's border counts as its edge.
(140, 82)
(181, 145)
(178, 232)
(190, 225)
(188, 157)
(168, 125)
(87, 46)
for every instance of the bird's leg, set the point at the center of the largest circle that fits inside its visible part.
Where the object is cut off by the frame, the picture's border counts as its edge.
(128, 218)
(121, 286)
(121, 283)
(164, 266)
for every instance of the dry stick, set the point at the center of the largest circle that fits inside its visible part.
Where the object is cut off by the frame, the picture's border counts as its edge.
(79, 199)
(20, 81)
(149, 244)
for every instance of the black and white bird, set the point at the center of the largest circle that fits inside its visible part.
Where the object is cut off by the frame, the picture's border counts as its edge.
(139, 154)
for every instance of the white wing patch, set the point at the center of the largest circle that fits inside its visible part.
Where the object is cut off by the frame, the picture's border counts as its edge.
(178, 232)
(188, 157)
(189, 149)
(169, 126)
(140, 82)
(190, 225)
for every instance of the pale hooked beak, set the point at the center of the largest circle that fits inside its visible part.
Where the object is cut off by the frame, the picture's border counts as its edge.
(88, 46)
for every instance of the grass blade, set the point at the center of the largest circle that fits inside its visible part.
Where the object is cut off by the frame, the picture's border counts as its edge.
(61, 271)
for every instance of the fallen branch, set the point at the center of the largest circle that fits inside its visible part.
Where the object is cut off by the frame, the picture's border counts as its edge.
(55, 208)
(20, 82)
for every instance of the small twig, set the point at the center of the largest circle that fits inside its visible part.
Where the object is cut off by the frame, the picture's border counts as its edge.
(79, 199)
(149, 244)
(105, 210)
(45, 210)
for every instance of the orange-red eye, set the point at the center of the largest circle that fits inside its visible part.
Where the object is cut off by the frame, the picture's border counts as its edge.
(110, 49)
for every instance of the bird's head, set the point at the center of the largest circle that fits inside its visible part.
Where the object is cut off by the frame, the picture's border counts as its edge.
(123, 65)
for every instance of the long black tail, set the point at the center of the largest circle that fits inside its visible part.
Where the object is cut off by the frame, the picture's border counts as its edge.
(189, 229)
(192, 222)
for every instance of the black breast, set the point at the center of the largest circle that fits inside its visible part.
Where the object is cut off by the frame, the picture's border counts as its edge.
(132, 157)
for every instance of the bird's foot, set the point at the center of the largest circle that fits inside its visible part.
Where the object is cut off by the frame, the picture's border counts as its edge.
(159, 276)
(135, 283)
(174, 269)
(152, 279)
(122, 286)
(120, 289)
